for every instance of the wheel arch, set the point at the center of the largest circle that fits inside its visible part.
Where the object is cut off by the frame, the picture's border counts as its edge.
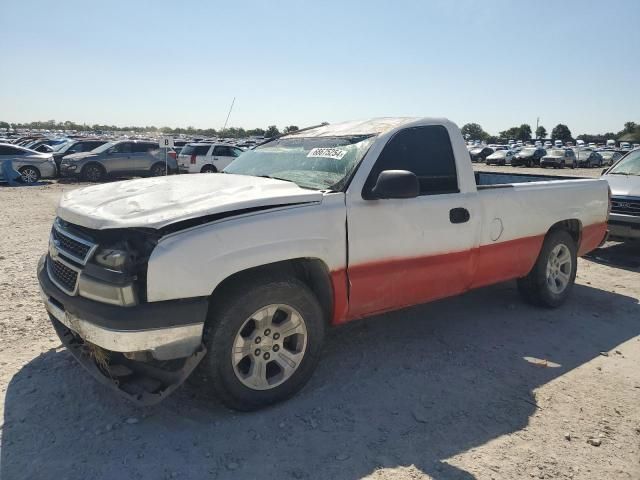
(313, 272)
(573, 226)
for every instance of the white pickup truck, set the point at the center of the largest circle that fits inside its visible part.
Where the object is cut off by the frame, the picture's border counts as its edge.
(241, 272)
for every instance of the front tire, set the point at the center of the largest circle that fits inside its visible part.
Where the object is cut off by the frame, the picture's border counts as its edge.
(553, 275)
(29, 174)
(264, 339)
(92, 173)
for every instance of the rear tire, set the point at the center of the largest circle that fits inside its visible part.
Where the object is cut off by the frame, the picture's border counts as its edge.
(553, 275)
(249, 362)
(29, 174)
(92, 173)
(208, 169)
(157, 170)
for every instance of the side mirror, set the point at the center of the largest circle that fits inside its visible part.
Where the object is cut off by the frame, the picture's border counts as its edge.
(396, 184)
(604, 170)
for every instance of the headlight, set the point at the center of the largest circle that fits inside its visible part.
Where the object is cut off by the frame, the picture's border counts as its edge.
(112, 258)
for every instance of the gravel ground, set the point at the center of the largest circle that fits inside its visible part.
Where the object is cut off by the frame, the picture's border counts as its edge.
(479, 386)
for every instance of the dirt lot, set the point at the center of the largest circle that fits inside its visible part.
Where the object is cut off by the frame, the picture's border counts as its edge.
(479, 386)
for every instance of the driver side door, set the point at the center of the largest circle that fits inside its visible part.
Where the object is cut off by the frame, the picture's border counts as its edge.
(411, 250)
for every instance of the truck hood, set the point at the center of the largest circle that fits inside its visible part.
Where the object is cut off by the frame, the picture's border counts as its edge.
(160, 201)
(624, 185)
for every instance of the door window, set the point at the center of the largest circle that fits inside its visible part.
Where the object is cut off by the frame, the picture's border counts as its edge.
(223, 151)
(143, 147)
(124, 147)
(5, 150)
(425, 151)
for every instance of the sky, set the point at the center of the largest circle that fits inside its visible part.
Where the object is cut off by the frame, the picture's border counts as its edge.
(499, 63)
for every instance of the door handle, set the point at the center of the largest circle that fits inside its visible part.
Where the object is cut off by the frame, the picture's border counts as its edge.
(459, 215)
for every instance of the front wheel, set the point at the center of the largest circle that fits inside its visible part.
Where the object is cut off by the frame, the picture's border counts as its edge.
(264, 340)
(92, 173)
(554, 273)
(29, 174)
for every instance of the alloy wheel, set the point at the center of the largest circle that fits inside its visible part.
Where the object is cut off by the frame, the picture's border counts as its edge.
(29, 175)
(559, 266)
(269, 347)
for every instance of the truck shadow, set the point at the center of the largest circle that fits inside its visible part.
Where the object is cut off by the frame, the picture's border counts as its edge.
(624, 255)
(414, 387)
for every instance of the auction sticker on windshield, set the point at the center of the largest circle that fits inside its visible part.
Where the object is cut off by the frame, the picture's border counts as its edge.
(335, 153)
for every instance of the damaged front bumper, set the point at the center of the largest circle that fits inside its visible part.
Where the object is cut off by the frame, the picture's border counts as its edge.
(144, 351)
(142, 382)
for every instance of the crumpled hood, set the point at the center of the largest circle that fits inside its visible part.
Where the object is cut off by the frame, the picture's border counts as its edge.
(160, 201)
(624, 185)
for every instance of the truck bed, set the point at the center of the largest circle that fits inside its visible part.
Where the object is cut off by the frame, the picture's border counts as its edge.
(486, 180)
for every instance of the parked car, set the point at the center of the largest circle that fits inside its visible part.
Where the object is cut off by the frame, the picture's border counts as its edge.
(32, 165)
(206, 157)
(624, 181)
(528, 156)
(587, 157)
(243, 272)
(76, 146)
(480, 154)
(500, 157)
(120, 158)
(610, 157)
(559, 158)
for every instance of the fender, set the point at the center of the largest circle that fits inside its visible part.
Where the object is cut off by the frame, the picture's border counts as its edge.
(193, 262)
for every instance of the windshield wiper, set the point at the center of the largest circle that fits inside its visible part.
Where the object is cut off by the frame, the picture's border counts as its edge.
(619, 173)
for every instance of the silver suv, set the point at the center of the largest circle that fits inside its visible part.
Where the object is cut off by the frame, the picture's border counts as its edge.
(119, 158)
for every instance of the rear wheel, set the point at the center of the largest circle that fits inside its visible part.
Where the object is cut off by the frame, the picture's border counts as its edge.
(29, 174)
(208, 169)
(92, 172)
(264, 340)
(157, 170)
(554, 273)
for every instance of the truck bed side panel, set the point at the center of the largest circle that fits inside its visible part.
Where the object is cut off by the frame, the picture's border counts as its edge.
(517, 219)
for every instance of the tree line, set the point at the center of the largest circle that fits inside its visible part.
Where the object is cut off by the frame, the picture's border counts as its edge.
(473, 131)
(232, 132)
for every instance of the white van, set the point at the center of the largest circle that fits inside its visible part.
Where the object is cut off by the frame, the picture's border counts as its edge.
(206, 157)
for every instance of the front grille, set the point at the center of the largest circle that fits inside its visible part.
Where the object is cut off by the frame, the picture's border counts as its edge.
(72, 245)
(625, 206)
(66, 278)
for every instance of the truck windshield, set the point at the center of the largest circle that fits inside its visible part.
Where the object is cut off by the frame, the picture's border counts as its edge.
(320, 163)
(630, 165)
